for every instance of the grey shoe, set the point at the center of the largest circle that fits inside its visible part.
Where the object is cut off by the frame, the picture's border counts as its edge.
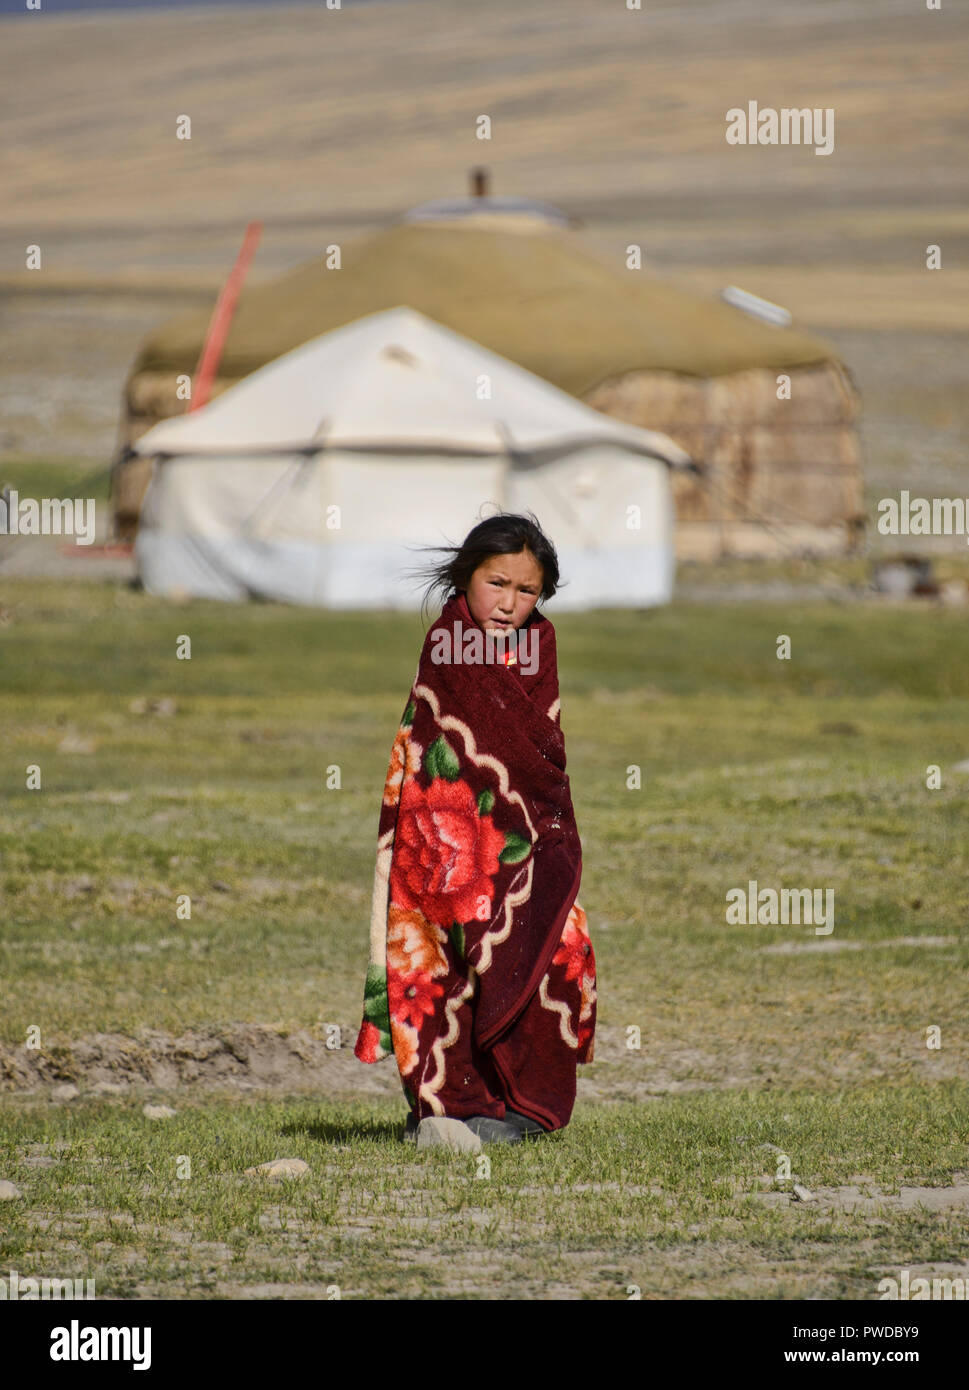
(527, 1126)
(491, 1131)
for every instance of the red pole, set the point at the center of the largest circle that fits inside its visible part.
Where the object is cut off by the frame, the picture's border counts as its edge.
(218, 331)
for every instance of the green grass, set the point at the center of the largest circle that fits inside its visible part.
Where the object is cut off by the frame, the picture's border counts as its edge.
(673, 1198)
(104, 641)
(807, 772)
(801, 773)
(43, 476)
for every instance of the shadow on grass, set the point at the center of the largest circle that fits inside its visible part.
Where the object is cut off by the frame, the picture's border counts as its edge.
(345, 1132)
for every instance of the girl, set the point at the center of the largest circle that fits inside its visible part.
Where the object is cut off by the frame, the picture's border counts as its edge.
(482, 977)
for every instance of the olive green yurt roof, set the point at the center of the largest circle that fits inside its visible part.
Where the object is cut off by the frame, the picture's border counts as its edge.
(530, 296)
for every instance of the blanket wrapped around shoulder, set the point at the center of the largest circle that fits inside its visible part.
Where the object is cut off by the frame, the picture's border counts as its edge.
(482, 976)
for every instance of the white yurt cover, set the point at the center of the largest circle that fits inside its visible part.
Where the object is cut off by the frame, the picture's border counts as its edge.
(317, 479)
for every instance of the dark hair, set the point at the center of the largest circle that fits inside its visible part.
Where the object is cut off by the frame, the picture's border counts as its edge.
(506, 533)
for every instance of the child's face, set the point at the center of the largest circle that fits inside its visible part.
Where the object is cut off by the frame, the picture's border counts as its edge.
(504, 589)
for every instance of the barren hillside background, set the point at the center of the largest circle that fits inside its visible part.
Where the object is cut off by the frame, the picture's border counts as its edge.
(327, 124)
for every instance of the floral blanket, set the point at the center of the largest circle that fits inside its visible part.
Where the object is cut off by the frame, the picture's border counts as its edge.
(482, 978)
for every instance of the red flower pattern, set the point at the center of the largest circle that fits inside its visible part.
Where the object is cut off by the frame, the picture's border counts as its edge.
(575, 953)
(586, 1047)
(411, 996)
(367, 1043)
(445, 854)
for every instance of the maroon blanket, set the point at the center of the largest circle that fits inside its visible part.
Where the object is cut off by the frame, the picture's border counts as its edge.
(482, 977)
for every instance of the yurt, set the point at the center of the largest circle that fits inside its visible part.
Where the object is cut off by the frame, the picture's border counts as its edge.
(767, 413)
(315, 479)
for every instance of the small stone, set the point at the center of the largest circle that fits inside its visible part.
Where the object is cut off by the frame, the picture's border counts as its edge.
(75, 743)
(158, 1112)
(802, 1194)
(66, 1091)
(280, 1168)
(441, 1132)
(109, 1088)
(8, 1191)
